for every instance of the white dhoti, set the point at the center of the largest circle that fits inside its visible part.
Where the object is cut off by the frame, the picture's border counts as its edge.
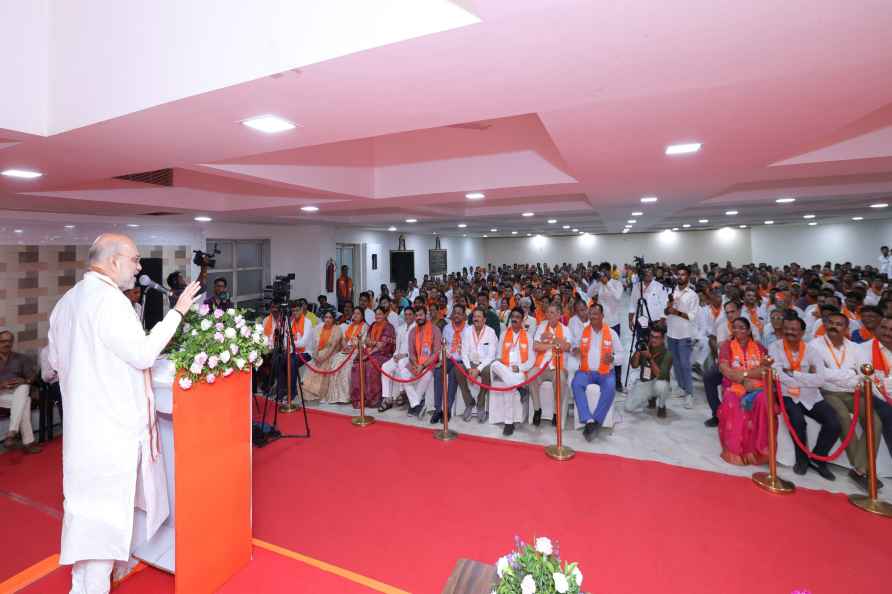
(91, 577)
(415, 391)
(505, 407)
(18, 401)
(389, 388)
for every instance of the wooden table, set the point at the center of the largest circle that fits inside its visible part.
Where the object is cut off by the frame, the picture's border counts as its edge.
(471, 577)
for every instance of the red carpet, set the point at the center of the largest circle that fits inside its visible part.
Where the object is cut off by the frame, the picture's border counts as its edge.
(392, 503)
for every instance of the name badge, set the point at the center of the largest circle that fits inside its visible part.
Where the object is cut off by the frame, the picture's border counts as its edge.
(426, 350)
(646, 373)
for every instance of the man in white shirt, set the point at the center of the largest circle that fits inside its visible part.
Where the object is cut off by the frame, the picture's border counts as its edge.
(550, 333)
(515, 358)
(478, 351)
(654, 295)
(680, 313)
(596, 349)
(398, 365)
(102, 356)
(610, 296)
(878, 352)
(800, 370)
(842, 360)
(884, 262)
(874, 292)
(712, 379)
(452, 337)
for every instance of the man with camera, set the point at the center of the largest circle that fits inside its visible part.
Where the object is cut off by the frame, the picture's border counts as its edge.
(680, 313)
(177, 282)
(654, 361)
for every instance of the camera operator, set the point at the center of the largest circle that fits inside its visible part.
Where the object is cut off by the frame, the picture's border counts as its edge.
(302, 333)
(654, 295)
(653, 386)
(219, 299)
(177, 282)
(681, 312)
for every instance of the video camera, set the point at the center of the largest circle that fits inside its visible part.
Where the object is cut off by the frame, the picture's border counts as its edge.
(278, 293)
(201, 258)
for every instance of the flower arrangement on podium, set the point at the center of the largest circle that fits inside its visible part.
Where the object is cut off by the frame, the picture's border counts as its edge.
(536, 569)
(212, 343)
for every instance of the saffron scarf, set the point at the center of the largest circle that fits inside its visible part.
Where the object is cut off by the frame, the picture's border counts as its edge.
(586, 344)
(522, 342)
(750, 359)
(559, 332)
(424, 342)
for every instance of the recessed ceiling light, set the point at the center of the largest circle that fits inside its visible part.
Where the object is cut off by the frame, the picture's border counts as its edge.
(808, 216)
(21, 173)
(485, 236)
(475, 195)
(391, 228)
(785, 200)
(625, 230)
(857, 218)
(879, 205)
(462, 225)
(411, 220)
(552, 221)
(647, 199)
(686, 225)
(703, 221)
(565, 226)
(812, 224)
(769, 222)
(17, 231)
(464, 234)
(632, 221)
(742, 226)
(69, 226)
(675, 228)
(574, 229)
(683, 149)
(529, 234)
(203, 219)
(310, 208)
(627, 226)
(133, 225)
(493, 230)
(514, 233)
(269, 124)
(637, 213)
(527, 214)
(730, 213)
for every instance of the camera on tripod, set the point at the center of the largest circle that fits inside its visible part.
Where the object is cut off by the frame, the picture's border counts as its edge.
(278, 293)
(642, 339)
(202, 259)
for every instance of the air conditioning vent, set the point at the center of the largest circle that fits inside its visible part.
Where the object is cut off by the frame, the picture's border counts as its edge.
(159, 177)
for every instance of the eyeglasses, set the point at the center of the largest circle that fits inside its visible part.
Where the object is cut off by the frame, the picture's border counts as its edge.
(135, 259)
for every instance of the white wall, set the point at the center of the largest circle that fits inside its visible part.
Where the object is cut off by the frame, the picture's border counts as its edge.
(24, 45)
(856, 242)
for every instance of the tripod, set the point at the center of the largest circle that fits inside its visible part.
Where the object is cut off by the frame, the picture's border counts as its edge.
(283, 346)
(638, 333)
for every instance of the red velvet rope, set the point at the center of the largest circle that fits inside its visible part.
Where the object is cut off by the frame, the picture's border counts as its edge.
(500, 388)
(881, 390)
(842, 446)
(400, 380)
(331, 371)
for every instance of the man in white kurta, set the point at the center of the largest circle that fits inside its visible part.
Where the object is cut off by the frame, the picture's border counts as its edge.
(102, 356)
(398, 365)
(478, 351)
(515, 357)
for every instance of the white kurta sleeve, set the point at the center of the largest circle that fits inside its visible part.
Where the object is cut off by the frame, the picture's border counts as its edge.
(121, 332)
(488, 353)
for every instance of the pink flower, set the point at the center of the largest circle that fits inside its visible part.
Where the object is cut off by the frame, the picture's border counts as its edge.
(219, 326)
(210, 378)
(218, 336)
(218, 313)
(245, 331)
(203, 309)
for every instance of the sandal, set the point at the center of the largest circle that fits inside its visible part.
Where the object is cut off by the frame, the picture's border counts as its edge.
(32, 448)
(385, 405)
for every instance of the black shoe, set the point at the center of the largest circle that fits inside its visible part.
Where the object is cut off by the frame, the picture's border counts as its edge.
(591, 431)
(711, 422)
(801, 467)
(651, 403)
(824, 470)
(436, 417)
(508, 429)
(619, 389)
(661, 412)
(415, 410)
(537, 417)
(554, 421)
(385, 405)
(861, 480)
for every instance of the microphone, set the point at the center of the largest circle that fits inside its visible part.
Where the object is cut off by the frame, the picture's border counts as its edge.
(148, 283)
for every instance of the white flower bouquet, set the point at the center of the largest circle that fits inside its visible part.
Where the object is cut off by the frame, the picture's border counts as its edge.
(536, 569)
(213, 343)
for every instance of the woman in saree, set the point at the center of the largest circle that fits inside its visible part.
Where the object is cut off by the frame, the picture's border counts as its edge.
(380, 344)
(339, 386)
(743, 416)
(326, 343)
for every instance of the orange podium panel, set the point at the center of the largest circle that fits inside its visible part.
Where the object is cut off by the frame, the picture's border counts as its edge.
(212, 457)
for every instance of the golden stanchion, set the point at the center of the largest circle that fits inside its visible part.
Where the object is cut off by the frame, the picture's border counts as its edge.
(445, 434)
(769, 480)
(289, 407)
(558, 451)
(870, 502)
(362, 420)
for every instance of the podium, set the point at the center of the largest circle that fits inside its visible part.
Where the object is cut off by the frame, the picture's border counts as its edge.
(205, 435)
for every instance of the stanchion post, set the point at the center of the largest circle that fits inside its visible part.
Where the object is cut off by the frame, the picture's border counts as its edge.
(362, 420)
(289, 407)
(870, 502)
(559, 451)
(769, 480)
(445, 434)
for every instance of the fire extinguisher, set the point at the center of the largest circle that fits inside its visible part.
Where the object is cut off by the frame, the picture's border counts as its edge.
(329, 276)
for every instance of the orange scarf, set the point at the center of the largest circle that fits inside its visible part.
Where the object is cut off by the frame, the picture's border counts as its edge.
(879, 364)
(353, 330)
(456, 337)
(586, 343)
(716, 311)
(424, 342)
(754, 318)
(795, 361)
(324, 336)
(865, 333)
(522, 342)
(559, 332)
(749, 360)
(297, 330)
(377, 329)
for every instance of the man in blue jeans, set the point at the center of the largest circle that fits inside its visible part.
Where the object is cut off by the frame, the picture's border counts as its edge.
(680, 314)
(596, 348)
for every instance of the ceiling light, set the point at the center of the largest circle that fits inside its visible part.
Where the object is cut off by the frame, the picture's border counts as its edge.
(632, 221)
(686, 225)
(683, 149)
(527, 214)
(703, 221)
(309, 208)
(485, 236)
(769, 222)
(462, 225)
(493, 230)
(565, 226)
(514, 233)
(808, 216)
(627, 226)
(675, 228)
(203, 219)
(742, 226)
(22, 173)
(529, 234)
(411, 220)
(647, 199)
(574, 229)
(625, 230)
(785, 200)
(17, 231)
(69, 226)
(730, 213)
(637, 213)
(133, 225)
(812, 224)
(269, 124)
(879, 205)
(552, 221)
(391, 228)
(464, 234)
(857, 218)
(475, 195)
